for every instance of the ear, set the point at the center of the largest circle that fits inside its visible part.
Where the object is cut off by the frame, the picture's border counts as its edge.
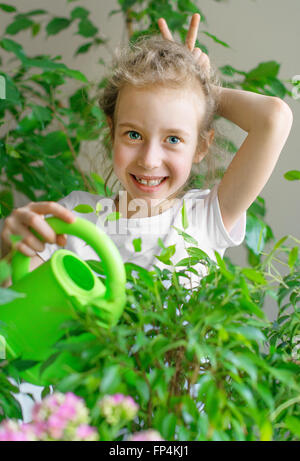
(110, 124)
(203, 149)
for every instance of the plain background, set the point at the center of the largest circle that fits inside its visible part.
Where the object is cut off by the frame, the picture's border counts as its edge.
(256, 30)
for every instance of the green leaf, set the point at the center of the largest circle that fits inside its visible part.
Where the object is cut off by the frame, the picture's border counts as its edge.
(98, 208)
(79, 12)
(7, 202)
(168, 426)
(54, 143)
(83, 208)
(249, 306)
(56, 25)
(248, 332)
(246, 393)
(96, 266)
(200, 254)
(187, 261)
(293, 424)
(187, 238)
(125, 4)
(293, 256)
(166, 254)
(142, 272)
(86, 28)
(292, 175)
(228, 70)
(7, 295)
(223, 268)
(137, 244)
(35, 29)
(41, 113)
(266, 431)
(22, 365)
(5, 270)
(189, 7)
(280, 242)
(83, 48)
(35, 12)
(217, 40)
(254, 275)
(10, 45)
(243, 362)
(111, 379)
(114, 216)
(27, 125)
(7, 8)
(256, 233)
(264, 69)
(21, 23)
(184, 218)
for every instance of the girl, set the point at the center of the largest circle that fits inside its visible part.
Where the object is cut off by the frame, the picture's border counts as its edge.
(160, 103)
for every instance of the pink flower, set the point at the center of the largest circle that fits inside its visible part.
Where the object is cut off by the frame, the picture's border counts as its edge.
(145, 436)
(118, 408)
(85, 432)
(56, 426)
(118, 398)
(11, 431)
(57, 417)
(66, 411)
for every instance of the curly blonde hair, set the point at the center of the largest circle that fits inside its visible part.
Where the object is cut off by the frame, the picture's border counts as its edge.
(153, 60)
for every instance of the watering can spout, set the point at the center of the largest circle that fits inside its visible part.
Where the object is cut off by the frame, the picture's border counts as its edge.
(31, 323)
(106, 311)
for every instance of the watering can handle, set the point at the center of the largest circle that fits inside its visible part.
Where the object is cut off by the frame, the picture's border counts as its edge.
(98, 240)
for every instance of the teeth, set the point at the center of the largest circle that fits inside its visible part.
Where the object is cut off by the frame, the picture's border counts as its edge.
(152, 182)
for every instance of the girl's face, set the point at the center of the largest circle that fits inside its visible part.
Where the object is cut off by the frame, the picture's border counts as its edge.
(156, 137)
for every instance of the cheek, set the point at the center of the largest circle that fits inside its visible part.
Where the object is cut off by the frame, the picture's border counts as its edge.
(120, 159)
(182, 168)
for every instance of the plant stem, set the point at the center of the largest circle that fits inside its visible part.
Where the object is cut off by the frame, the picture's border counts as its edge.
(283, 406)
(129, 23)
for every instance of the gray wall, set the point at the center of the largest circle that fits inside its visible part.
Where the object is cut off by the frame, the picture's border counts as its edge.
(256, 30)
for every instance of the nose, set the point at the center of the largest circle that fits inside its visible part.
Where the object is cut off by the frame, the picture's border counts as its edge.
(150, 156)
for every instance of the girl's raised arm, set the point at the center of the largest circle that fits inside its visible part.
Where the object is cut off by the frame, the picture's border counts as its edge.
(268, 121)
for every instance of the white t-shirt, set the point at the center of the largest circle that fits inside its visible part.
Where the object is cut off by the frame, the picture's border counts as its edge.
(205, 226)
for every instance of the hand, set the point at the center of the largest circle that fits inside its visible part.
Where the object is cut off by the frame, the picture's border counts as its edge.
(200, 57)
(32, 215)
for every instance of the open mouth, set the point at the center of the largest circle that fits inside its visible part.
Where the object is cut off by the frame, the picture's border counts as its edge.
(150, 185)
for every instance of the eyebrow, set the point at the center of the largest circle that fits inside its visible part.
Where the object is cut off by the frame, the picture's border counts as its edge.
(172, 130)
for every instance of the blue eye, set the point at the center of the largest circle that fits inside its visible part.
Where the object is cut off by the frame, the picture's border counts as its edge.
(132, 132)
(174, 137)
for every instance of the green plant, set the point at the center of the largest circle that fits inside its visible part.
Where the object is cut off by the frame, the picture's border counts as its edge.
(202, 364)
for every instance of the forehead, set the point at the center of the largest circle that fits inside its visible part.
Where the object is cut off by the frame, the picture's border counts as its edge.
(182, 104)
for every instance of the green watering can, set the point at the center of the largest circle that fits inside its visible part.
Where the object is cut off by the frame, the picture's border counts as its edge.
(31, 324)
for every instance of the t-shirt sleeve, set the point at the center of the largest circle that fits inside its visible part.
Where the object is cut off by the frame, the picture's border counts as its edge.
(215, 226)
(68, 202)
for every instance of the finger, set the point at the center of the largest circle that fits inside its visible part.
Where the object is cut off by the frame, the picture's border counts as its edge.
(197, 53)
(61, 239)
(164, 29)
(193, 31)
(36, 222)
(26, 250)
(29, 240)
(55, 209)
